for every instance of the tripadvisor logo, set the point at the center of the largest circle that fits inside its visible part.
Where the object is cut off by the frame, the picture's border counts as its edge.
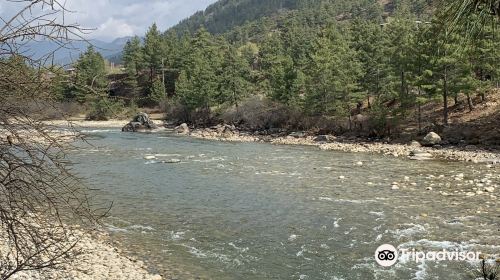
(387, 255)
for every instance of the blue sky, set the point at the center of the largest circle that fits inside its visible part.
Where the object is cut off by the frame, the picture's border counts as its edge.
(119, 18)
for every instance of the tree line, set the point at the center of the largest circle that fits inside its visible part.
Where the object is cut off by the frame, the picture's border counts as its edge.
(316, 65)
(314, 61)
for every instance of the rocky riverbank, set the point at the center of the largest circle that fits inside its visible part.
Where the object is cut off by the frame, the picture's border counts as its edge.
(98, 261)
(413, 150)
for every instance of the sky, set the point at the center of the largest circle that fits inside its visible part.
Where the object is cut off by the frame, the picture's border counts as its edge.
(113, 19)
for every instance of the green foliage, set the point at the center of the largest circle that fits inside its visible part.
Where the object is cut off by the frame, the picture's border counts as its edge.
(323, 58)
(102, 109)
(157, 92)
(90, 76)
(332, 85)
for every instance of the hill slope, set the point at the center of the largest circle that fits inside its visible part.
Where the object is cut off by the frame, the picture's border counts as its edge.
(226, 15)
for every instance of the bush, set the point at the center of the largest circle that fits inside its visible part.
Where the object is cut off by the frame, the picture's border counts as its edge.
(102, 109)
(257, 113)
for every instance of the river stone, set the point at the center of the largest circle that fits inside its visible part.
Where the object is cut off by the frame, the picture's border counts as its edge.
(183, 129)
(324, 138)
(174, 160)
(432, 139)
(489, 189)
(420, 155)
(415, 144)
(140, 123)
(298, 134)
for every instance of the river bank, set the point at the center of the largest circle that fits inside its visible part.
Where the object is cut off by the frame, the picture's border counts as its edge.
(324, 142)
(411, 150)
(98, 260)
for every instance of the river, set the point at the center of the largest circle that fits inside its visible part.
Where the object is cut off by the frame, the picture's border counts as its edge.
(260, 211)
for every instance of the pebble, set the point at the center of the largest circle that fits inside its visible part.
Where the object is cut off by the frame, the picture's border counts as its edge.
(359, 163)
(341, 177)
(429, 188)
(395, 187)
(489, 189)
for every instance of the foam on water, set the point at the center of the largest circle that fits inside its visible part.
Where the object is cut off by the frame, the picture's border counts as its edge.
(113, 228)
(98, 130)
(409, 231)
(141, 227)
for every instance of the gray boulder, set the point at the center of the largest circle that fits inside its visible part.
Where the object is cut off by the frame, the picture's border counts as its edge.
(183, 129)
(298, 134)
(432, 139)
(140, 123)
(415, 144)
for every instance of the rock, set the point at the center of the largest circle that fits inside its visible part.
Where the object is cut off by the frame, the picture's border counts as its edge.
(415, 144)
(341, 177)
(140, 123)
(149, 157)
(489, 189)
(406, 178)
(298, 134)
(420, 155)
(183, 129)
(470, 148)
(395, 187)
(324, 138)
(432, 139)
(174, 160)
(359, 163)
(224, 128)
(429, 188)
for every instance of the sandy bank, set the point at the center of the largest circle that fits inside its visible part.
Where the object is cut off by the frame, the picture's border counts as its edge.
(98, 261)
(93, 124)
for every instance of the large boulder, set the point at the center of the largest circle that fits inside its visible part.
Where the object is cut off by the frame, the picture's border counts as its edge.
(140, 123)
(432, 139)
(183, 129)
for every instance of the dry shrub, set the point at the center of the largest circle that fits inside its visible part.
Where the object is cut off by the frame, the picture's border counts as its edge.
(256, 113)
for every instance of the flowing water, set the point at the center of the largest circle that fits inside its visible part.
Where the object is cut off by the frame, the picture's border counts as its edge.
(259, 211)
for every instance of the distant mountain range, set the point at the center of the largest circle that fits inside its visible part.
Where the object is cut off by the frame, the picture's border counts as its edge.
(66, 56)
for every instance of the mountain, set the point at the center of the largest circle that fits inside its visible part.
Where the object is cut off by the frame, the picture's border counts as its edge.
(227, 15)
(69, 54)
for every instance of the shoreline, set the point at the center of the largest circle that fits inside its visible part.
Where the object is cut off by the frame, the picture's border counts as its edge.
(99, 260)
(332, 143)
(227, 133)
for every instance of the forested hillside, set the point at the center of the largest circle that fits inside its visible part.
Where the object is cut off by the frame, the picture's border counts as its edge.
(225, 15)
(328, 65)
(363, 66)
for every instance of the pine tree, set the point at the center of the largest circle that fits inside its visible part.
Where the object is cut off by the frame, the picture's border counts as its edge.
(153, 51)
(234, 79)
(90, 75)
(332, 87)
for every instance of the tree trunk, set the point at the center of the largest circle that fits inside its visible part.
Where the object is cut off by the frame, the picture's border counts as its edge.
(445, 97)
(419, 113)
(456, 99)
(469, 102)
(403, 91)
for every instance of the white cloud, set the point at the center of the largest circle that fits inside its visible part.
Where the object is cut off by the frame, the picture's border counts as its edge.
(118, 18)
(115, 28)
